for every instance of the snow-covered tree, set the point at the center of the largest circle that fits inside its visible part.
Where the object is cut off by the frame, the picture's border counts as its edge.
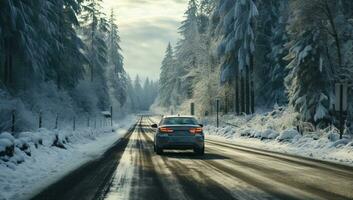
(189, 49)
(47, 55)
(95, 28)
(138, 91)
(67, 57)
(237, 49)
(270, 45)
(167, 77)
(308, 80)
(245, 14)
(116, 72)
(141, 97)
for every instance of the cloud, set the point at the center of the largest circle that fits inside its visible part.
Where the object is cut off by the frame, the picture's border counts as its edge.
(144, 45)
(146, 27)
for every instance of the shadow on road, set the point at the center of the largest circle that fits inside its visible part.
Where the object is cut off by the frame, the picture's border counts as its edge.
(191, 155)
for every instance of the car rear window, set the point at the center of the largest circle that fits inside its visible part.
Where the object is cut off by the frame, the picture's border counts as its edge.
(179, 120)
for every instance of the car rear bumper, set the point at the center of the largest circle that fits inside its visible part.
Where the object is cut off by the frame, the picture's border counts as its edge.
(179, 142)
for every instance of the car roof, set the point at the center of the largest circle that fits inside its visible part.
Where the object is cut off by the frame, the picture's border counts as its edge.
(168, 116)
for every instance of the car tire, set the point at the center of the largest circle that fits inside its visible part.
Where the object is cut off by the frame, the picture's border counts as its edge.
(199, 151)
(159, 151)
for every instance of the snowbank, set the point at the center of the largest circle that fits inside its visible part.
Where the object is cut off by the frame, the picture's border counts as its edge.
(276, 131)
(35, 160)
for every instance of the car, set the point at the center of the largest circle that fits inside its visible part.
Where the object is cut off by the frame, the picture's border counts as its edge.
(179, 133)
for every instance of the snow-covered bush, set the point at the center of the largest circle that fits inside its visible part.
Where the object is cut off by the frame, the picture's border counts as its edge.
(333, 136)
(246, 132)
(7, 146)
(269, 134)
(14, 149)
(24, 145)
(257, 134)
(32, 138)
(288, 135)
(340, 143)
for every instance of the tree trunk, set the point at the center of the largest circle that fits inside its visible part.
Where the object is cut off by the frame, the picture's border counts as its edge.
(226, 104)
(247, 90)
(252, 87)
(58, 81)
(7, 64)
(236, 93)
(242, 92)
(92, 47)
(5, 69)
(334, 35)
(10, 66)
(92, 71)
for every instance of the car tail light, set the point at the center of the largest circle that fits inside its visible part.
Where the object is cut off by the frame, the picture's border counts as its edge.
(165, 130)
(196, 130)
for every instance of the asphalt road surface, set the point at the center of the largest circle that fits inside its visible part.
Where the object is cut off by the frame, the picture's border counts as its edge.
(131, 170)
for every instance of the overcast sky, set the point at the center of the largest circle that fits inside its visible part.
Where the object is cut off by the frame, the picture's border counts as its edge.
(146, 27)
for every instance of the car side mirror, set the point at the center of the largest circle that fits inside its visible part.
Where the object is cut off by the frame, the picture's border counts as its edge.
(201, 125)
(154, 126)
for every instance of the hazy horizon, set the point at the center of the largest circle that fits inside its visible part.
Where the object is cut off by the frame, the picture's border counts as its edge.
(146, 27)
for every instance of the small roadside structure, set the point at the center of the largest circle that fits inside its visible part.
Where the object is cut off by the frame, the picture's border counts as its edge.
(107, 114)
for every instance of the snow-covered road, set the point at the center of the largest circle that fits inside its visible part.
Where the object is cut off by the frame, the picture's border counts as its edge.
(132, 171)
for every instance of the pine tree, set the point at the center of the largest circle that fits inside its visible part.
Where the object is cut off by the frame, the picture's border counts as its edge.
(118, 79)
(245, 14)
(115, 56)
(95, 29)
(166, 80)
(224, 13)
(66, 52)
(19, 28)
(188, 49)
(131, 98)
(139, 92)
(55, 22)
(94, 26)
(271, 41)
(237, 49)
(307, 82)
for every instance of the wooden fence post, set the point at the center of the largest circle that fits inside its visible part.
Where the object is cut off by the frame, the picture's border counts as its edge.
(192, 108)
(13, 121)
(111, 116)
(56, 121)
(74, 124)
(40, 120)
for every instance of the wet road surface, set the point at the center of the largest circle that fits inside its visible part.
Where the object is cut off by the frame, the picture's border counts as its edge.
(131, 170)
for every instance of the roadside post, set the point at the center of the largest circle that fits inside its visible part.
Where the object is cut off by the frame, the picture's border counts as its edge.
(217, 110)
(56, 121)
(107, 115)
(13, 121)
(40, 119)
(192, 108)
(341, 90)
(111, 116)
(74, 123)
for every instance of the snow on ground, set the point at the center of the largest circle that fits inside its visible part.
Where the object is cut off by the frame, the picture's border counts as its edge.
(276, 131)
(31, 169)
